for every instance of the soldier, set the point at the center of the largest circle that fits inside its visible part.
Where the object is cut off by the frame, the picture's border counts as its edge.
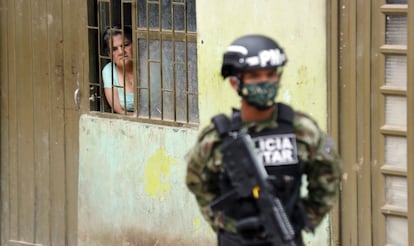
(288, 143)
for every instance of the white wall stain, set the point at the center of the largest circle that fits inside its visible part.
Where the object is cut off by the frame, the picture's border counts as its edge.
(49, 19)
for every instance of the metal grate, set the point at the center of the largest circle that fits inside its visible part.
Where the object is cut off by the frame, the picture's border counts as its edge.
(164, 58)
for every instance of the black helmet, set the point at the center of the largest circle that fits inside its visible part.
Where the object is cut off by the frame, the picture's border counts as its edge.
(252, 52)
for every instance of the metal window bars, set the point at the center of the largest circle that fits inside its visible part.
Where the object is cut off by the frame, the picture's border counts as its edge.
(164, 57)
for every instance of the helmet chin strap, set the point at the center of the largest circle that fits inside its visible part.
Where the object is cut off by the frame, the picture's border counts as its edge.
(239, 81)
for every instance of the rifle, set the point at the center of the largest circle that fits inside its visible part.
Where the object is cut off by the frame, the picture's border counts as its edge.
(249, 177)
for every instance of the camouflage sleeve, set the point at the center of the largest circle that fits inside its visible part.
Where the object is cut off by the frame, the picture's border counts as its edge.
(322, 165)
(203, 167)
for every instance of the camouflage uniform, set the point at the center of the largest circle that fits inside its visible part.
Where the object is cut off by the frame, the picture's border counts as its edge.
(315, 150)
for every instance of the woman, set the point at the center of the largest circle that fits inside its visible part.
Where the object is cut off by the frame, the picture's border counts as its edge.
(117, 75)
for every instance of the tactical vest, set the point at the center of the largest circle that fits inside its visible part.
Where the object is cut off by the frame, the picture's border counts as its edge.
(276, 148)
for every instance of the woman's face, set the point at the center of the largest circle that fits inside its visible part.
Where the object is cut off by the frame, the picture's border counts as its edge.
(121, 50)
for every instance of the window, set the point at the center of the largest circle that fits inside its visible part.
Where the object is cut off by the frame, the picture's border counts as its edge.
(164, 57)
(391, 135)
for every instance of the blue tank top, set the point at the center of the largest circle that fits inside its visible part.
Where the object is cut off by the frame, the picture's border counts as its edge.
(110, 79)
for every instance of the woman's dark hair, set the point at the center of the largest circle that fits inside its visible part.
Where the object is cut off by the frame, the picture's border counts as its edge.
(113, 31)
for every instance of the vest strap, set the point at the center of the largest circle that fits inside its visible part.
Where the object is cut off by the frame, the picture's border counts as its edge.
(222, 124)
(285, 114)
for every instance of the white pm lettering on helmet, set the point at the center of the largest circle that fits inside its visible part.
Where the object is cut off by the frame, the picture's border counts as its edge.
(272, 56)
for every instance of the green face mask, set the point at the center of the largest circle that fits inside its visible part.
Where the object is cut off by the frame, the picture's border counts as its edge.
(260, 95)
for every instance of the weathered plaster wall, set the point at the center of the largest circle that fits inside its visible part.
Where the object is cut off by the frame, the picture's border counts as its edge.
(131, 175)
(297, 25)
(131, 185)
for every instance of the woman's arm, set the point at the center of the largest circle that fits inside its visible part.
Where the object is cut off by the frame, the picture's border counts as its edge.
(115, 105)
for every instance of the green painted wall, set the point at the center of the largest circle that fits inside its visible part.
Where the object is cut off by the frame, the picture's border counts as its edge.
(131, 185)
(131, 175)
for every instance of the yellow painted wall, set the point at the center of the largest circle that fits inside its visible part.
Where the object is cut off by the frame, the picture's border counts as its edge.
(131, 175)
(297, 25)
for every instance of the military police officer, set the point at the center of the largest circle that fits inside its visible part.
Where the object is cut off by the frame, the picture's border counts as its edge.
(288, 143)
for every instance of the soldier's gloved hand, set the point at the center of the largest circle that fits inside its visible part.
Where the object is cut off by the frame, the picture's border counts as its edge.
(249, 225)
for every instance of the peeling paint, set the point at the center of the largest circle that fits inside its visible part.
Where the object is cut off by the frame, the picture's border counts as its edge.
(49, 19)
(157, 170)
(345, 177)
(302, 75)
